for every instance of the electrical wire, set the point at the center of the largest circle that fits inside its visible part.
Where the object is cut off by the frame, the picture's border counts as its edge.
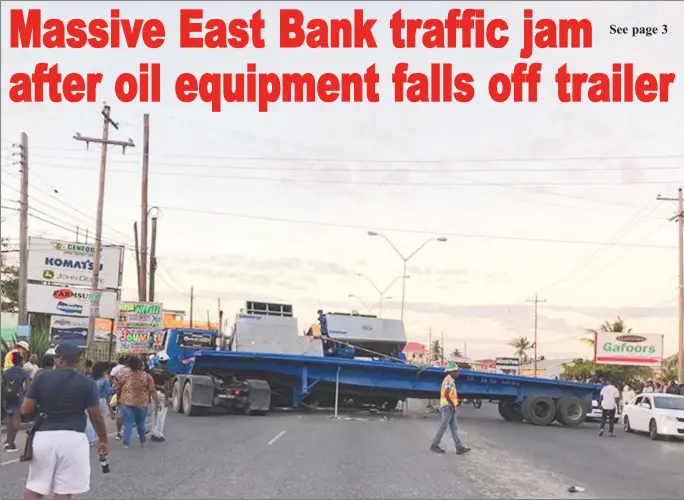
(403, 230)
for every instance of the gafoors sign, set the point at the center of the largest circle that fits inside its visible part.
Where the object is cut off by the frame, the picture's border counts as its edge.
(629, 349)
(68, 263)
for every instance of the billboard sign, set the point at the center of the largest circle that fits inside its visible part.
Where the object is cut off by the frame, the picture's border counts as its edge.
(139, 326)
(629, 349)
(64, 262)
(68, 330)
(507, 364)
(63, 301)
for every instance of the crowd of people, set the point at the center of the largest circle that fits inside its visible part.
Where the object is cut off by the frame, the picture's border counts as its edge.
(67, 406)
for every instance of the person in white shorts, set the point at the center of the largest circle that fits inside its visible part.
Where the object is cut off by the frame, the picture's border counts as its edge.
(60, 399)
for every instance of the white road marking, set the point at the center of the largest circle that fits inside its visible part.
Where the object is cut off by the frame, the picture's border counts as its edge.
(16, 459)
(278, 436)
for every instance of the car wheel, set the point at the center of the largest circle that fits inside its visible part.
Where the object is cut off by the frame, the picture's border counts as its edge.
(625, 424)
(653, 430)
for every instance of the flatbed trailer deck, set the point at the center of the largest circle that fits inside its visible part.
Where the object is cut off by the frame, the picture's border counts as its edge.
(295, 379)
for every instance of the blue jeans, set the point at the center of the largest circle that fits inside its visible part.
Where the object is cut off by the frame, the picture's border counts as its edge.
(133, 415)
(448, 420)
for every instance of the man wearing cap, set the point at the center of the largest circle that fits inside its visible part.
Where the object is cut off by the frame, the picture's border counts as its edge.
(20, 347)
(61, 452)
(448, 402)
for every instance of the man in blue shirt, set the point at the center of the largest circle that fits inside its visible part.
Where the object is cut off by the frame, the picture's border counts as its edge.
(14, 381)
(61, 452)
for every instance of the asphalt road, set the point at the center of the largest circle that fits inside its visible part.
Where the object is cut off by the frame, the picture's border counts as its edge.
(307, 455)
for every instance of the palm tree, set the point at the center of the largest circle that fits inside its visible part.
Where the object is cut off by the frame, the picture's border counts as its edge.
(456, 353)
(617, 326)
(522, 345)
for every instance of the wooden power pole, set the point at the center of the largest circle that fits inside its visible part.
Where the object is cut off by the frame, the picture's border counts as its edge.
(141, 297)
(143, 205)
(536, 301)
(23, 230)
(153, 255)
(192, 303)
(679, 218)
(104, 141)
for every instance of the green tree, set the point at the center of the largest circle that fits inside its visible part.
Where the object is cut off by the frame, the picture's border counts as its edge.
(9, 280)
(436, 351)
(617, 375)
(617, 326)
(456, 353)
(522, 345)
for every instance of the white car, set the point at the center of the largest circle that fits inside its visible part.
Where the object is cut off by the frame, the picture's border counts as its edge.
(655, 413)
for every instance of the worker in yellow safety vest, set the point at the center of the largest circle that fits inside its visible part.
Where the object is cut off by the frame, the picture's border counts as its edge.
(448, 402)
(22, 348)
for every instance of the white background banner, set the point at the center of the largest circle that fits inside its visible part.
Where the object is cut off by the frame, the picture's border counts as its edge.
(64, 301)
(72, 263)
(629, 349)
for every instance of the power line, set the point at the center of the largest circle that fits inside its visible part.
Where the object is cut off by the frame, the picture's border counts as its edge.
(402, 230)
(371, 182)
(507, 159)
(593, 168)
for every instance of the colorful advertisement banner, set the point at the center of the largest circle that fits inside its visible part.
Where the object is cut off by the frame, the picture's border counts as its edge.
(139, 327)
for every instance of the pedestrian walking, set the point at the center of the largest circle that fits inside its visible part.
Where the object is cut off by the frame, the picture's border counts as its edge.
(134, 392)
(60, 455)
(14, 383)
(162, 378)
(116, 374)
(20, 347)
(448, 403)
(609, 399)
(104, 392)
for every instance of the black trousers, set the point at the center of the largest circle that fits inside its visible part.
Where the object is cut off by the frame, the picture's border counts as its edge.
(610, 416)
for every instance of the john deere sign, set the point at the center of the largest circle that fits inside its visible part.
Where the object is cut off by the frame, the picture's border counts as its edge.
(629, 349)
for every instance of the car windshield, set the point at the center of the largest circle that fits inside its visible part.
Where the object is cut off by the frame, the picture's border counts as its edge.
(674, 403)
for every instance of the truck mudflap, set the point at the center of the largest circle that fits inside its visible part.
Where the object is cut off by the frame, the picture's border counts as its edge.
(259, 397)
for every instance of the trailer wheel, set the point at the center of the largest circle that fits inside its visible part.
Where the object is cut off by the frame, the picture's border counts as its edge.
(571, 411)
(189, 409)
(510, 411)
(177, 398)
(538, 410)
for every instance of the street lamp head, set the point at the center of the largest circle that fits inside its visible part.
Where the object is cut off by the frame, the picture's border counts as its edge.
(350, 295)
(406, 277)
(372, 233)
(442, 239)
(358, 274)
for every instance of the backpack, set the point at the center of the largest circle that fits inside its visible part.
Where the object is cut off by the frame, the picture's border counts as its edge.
(11, 389)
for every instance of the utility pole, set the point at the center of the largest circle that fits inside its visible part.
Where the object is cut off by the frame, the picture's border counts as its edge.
(430, 344)
(141, 297)
(153, 256)
(679, 218)
(536, 301)
(442, 346)
(192, 303)
(143, 205)
(23, 230)
(104, 143)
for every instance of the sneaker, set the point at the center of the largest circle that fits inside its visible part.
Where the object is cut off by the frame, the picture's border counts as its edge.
(436, 449)
(612, 434)
(118, 437)
(601, 432)
(462, 450)
(10, 447)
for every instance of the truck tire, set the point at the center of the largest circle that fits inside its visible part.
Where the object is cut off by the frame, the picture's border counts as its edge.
(189, 409)
(571, 411)
(538, 410)
(177, 398)
(510, 411)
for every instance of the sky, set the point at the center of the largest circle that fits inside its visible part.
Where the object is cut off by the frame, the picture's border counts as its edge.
(548, 198)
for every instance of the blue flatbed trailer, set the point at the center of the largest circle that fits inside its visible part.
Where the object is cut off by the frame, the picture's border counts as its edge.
(292, 379)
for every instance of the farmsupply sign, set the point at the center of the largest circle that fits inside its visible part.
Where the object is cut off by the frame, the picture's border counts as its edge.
(629, 349)
(139, 325)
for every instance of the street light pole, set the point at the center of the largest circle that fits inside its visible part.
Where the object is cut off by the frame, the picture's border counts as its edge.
(382, 292)
(351, 295)
(441, 239)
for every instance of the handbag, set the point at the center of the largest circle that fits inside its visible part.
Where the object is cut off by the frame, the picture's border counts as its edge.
(27, 454)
